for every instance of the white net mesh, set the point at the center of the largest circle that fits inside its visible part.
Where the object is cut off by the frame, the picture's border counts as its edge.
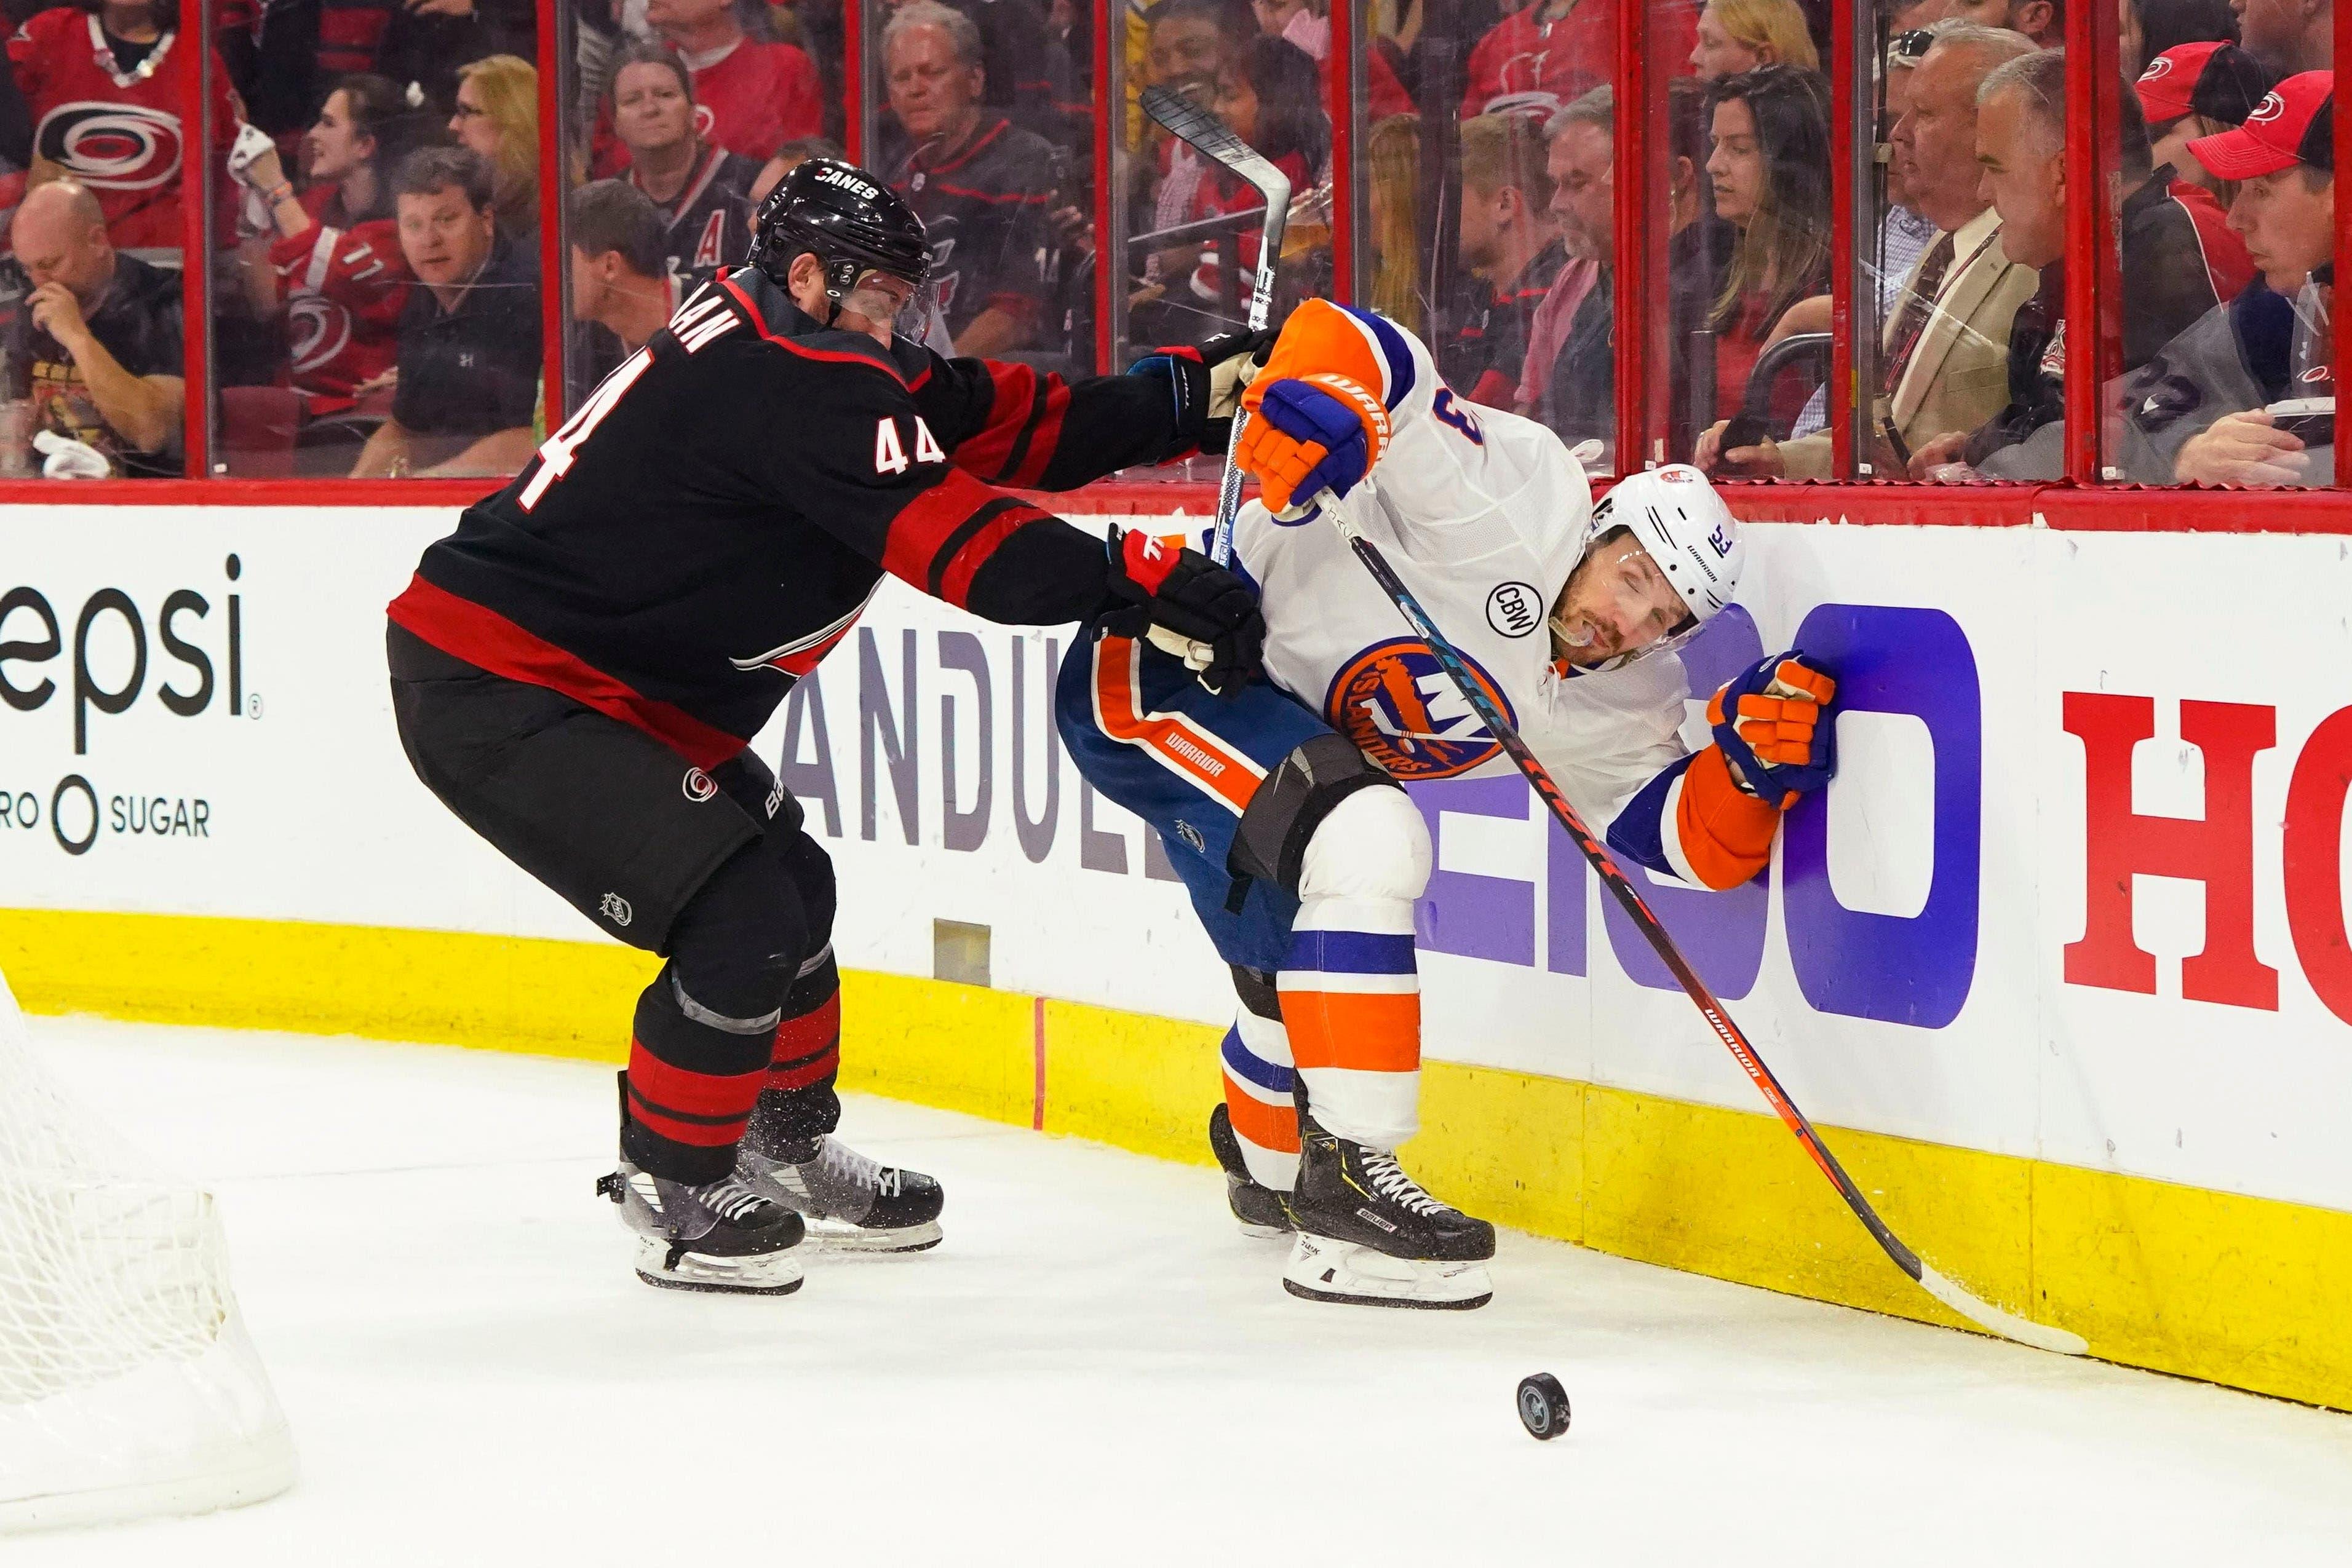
(126, 1386)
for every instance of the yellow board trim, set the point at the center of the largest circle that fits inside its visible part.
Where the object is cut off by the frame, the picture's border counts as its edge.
(2241, 1290)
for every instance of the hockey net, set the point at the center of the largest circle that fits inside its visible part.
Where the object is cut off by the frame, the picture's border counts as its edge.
(127, 1384)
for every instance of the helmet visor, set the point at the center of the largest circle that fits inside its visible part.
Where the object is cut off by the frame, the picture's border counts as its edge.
(910, 310)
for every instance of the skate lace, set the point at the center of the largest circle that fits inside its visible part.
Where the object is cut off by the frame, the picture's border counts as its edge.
(841, 1161)
(1389, 1181)
(730, 1199)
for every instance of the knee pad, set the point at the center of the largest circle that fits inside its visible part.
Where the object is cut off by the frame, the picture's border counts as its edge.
(1313, 781)
(1255, 989)
(1372, 844)
(741, 939)
(812, 872)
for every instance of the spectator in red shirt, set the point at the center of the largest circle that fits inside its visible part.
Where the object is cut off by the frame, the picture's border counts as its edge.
(750, 97)
(335, 260)
(1546, 56)
(104, 87)
(1267, 95)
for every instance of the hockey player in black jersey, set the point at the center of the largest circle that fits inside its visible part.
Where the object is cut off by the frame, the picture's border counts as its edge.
(578, 670)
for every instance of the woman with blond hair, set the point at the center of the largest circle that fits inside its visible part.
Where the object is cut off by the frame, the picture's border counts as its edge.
(498, 117)
(1736, 36)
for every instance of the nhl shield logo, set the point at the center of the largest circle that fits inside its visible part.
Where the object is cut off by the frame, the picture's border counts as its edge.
(1401, 710)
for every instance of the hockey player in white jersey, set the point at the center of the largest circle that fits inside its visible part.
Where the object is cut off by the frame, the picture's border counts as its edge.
(1280, 804)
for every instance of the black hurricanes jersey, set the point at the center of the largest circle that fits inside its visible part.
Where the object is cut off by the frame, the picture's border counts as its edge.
(717, 514)
(984, 209)
(707, 226)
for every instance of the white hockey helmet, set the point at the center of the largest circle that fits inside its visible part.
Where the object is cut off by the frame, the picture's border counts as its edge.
(1692, 536)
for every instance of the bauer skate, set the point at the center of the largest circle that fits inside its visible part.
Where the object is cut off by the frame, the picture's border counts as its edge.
(720, 1236)
(851, 1203)
(1368, 1234)
(1258, 1207)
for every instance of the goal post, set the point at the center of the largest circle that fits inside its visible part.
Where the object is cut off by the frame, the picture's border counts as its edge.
(128, 1387)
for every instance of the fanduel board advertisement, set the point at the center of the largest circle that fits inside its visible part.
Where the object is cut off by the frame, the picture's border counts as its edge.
(2077, 892)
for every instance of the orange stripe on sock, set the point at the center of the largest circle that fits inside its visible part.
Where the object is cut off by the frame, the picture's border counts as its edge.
(1198, 756)
(1367, 1033)
(1268, 1126)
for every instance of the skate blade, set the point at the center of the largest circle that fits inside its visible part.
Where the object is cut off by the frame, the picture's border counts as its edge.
(1257, 1232)
(839, 1238)
(1322, 1269)
(767, 1275)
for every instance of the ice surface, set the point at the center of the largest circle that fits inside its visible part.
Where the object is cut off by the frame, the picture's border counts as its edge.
(1095, 1369)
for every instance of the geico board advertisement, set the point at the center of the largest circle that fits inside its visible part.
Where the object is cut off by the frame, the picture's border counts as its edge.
(2075, 892)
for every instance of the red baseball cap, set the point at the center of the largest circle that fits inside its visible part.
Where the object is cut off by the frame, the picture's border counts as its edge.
(2217, 80)
(2295, 124)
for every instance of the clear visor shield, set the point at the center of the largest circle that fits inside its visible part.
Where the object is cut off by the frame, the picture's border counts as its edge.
(911, 310)
(1618, 607)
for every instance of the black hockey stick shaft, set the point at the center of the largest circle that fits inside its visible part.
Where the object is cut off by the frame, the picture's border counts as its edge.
(1216, 140)
(1717, 1018)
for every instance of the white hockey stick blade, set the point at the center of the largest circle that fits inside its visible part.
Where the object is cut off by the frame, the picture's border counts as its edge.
(1992, 1320)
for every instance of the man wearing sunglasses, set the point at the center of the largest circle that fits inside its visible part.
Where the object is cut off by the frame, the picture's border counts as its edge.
(1282, 805)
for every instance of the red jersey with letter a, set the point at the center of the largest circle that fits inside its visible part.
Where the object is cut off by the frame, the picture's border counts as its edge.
(1528, 65)
(344, 285)
(117, 132)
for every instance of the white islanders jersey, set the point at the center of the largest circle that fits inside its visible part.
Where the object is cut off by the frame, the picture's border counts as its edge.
(1483, 515)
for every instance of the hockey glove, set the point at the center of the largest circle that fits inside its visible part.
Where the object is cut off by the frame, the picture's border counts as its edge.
(1160, 591)
(1309, 434)
(1206, 383)
(1774, 724)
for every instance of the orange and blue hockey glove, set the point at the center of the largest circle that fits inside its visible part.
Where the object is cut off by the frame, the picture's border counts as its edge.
(1310, 433)
(1774, 724)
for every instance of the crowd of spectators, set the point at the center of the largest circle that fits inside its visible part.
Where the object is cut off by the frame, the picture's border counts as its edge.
(374, 250)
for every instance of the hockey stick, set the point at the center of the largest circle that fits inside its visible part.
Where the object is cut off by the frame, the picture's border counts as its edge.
(1982, 1313)
(1216, 142)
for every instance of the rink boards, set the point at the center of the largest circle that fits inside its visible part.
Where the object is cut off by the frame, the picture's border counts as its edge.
(2067, 937)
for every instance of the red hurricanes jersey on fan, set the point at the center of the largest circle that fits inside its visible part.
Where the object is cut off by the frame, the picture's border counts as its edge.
(750, 101)
(117, 133)
(756, 97)
(1528, 65)
(344, 289)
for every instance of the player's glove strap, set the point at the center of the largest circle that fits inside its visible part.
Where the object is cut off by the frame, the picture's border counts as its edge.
(1155, 585)
(1206, 383)
(1774, 723)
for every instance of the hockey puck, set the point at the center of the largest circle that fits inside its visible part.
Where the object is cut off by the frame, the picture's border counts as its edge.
(1543, 1405)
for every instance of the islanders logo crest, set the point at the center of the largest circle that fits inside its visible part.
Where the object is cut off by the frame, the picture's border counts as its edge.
(1401, 710)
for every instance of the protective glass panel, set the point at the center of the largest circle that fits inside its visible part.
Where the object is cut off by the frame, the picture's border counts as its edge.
(1741, 238)
(93, 280)
(376, 293)
(981, 116)
(1186, 236)
(2227, 241)
(681, 119)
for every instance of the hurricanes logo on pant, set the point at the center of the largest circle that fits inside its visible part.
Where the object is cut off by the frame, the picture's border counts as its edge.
(1396, 703)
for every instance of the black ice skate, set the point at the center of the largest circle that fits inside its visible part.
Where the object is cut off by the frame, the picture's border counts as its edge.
(1258, 1208)
(1368, 1234)
(851, 1203)
(720, 1236)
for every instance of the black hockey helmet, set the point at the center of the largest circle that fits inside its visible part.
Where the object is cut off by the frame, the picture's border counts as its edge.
(851, 221)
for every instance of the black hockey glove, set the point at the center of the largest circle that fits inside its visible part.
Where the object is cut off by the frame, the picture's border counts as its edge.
(1206, 383)
(1186, 604)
